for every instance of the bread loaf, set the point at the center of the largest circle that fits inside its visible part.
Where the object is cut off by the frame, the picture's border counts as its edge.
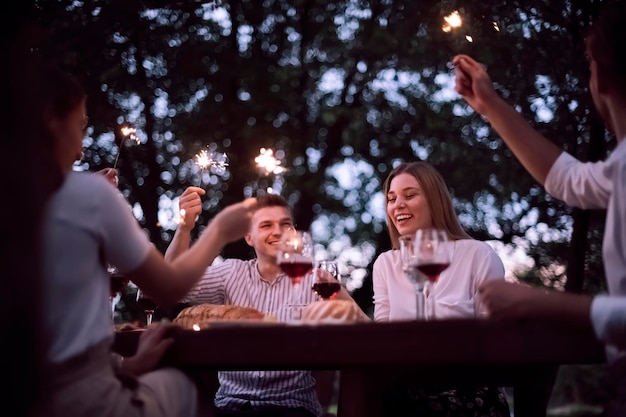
(332, 310)
(196, 314)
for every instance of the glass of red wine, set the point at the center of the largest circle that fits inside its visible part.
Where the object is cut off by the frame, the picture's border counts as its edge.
(117, 282)
(325, 281)
(295, 258)
(432, 251)
(148, 305)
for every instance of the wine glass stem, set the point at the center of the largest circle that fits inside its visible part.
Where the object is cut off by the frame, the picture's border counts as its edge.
(295, 302)
(420, 301)
(112, 300)
(148, 317)
(430, 287)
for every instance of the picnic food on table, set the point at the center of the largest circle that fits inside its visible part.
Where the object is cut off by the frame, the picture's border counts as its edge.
(196, 314)
(332, 310)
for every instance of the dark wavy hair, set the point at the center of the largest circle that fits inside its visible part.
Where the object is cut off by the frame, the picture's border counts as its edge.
(606, 43)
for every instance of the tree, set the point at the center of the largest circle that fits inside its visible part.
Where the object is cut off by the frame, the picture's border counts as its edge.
(343, 90)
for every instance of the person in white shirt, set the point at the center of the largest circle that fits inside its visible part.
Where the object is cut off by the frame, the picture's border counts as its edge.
(585, 185)
(86, 225)
(417, 197)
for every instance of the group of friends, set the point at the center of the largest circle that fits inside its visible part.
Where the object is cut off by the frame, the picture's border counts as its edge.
(87, 224)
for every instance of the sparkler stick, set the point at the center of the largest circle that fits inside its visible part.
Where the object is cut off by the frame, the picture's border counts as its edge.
(127, 132)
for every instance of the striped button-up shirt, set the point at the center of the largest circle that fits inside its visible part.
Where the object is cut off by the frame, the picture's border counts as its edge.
(238, 282)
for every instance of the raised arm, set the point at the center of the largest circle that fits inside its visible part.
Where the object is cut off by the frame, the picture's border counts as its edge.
(169, 282)
(190, 207)
(536, 153)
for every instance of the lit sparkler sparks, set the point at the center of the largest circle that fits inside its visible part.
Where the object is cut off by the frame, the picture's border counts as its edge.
(213, 161)
(267, 163)
(452, 21)
(128, 132)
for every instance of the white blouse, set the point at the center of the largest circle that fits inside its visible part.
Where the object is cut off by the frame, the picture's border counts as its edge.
(455, 295)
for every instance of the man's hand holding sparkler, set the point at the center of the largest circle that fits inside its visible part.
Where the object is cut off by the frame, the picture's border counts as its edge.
(474, 84)
(190, 207)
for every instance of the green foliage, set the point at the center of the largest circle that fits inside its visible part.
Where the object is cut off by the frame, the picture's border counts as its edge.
(358, 84)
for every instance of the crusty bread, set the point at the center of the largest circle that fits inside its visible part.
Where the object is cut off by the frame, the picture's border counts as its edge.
(332, 310)
(196, 314)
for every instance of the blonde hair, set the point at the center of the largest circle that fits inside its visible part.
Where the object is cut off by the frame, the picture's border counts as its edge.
(436, 195)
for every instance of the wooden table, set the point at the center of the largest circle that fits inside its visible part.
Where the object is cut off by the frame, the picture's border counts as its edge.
(519, 354)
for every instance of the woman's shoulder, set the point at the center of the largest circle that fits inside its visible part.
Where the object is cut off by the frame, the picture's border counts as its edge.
(391, 256)
(95, 183)
(474, 246)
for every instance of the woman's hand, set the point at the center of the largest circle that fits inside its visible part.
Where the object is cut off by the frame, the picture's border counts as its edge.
(233, 222)
(110, 174)
(153, 344)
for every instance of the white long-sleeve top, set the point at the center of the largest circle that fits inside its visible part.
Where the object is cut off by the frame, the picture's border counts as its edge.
(601, 185)
(455, 295)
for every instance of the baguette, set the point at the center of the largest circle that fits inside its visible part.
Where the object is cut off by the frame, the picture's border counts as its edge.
(196, 314)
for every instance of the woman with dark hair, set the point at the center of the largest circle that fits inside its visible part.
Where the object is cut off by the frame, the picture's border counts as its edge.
(88, 224)
(417, 197)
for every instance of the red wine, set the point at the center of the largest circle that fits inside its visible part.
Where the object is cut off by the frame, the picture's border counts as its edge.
(118, 283)
(432, 270)
(147, 304)
(326, 289)
(296, 270)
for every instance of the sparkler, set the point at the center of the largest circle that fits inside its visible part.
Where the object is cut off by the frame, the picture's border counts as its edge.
(267, 164)
(452, 21)
(213, 161)
(127, 133)
(455, 21)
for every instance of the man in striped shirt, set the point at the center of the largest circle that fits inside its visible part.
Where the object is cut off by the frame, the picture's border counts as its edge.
(257, 283)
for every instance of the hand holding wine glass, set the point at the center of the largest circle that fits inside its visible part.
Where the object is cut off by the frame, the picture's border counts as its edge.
(326, 283)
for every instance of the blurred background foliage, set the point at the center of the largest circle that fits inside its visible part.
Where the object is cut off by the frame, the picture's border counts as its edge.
(341, 91)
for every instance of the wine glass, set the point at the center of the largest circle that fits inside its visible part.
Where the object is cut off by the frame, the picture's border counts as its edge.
(295, 258)
(326, 283)
(148, 305)
(117, 282)
(408, 257)
(432, 250)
